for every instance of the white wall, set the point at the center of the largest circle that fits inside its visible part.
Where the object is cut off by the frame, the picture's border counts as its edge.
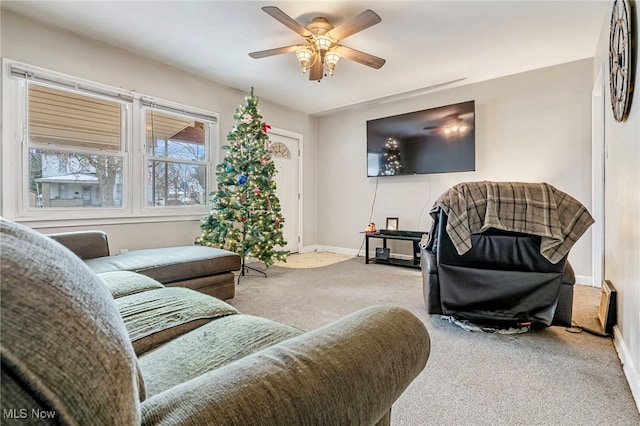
(534, 126)
(30, 42)
(622, 215)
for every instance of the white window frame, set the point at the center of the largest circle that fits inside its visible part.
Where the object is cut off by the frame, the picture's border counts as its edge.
(147, 103)
(14, 178)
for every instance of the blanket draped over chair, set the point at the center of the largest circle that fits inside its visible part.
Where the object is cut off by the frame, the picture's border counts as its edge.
(531, 208)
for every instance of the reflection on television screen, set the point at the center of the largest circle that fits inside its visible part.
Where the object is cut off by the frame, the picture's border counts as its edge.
(436, 140)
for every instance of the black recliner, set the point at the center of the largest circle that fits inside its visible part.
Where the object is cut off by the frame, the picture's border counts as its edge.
(502, 279)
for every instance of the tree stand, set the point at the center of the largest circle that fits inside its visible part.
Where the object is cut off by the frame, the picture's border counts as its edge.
(245, 270)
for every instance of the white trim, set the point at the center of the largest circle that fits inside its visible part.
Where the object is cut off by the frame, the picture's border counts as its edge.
(598, 156)
(311, 248)
(580, 279)
(98, 221)
(586, 280)
(630, 370)
(337, 250)
(66, 81)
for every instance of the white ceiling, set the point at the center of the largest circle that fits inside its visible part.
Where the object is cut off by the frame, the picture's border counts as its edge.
(425, 43)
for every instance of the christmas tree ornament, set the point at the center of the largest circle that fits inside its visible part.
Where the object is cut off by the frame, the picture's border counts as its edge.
(242, 179)
(228, 169)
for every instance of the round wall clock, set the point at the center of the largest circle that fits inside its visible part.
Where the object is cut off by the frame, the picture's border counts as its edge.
(620, 61)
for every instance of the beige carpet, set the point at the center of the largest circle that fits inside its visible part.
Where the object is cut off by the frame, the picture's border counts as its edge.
(553, 376)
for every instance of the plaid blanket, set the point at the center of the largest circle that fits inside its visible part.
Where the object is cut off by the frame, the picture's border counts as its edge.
(531, 208)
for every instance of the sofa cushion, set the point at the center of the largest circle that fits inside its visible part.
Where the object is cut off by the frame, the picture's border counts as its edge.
(63, 342)
(170, 264)
(155, 317)
(125, 283)
(209, 347)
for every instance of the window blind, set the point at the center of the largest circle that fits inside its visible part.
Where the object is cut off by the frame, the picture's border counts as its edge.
(70, 119)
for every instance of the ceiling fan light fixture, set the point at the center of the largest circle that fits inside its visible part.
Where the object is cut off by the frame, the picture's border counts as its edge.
(331, 60)
(304, 57)
(457, 128)
(323, 43)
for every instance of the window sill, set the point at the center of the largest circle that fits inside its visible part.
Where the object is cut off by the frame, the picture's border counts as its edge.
(41, 223)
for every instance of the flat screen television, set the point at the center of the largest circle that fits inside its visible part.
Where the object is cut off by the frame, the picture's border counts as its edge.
(435, 140)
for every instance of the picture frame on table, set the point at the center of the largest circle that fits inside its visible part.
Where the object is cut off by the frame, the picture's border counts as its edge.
(392, 224)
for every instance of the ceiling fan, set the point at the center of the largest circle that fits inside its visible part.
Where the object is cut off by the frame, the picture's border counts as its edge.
(321, 51)
(451, 124)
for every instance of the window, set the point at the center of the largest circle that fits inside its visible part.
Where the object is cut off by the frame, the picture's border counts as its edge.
(176, 159)
(86, 150)
(279, 149)
(75, 157)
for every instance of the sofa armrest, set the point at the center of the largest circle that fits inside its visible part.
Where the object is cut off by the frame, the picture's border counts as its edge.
(85, 244)
(348, 372)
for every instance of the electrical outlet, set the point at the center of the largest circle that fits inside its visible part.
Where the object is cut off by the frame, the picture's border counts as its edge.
(123, 251)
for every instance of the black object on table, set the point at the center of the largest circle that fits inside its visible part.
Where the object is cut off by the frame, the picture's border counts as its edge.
(383, 255)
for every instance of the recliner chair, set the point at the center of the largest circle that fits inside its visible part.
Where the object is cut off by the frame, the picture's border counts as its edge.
(503, 258)
(503, 278)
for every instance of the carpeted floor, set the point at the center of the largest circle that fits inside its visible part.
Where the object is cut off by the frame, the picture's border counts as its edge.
(552, 376)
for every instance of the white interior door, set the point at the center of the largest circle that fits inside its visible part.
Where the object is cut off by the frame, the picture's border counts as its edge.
(284, 152)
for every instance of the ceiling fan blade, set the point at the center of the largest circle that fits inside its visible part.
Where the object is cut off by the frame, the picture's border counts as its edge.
(288, 21)
(357, 23)
(360, 57)
(317, 71)
(276, 51)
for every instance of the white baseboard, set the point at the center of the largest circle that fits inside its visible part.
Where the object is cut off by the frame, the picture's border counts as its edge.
(349, 251)
(580, 279)
(585, 280)
(330, 249)
(630, 370)
(309, 249)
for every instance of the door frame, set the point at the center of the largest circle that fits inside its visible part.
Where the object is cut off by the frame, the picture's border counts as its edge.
(299, 138)
(598, 161)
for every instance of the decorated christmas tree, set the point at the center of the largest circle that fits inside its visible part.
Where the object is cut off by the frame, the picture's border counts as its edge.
(245, 212)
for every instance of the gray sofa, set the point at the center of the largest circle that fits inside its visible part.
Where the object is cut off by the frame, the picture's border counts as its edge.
(205, 269)
(119, 348)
